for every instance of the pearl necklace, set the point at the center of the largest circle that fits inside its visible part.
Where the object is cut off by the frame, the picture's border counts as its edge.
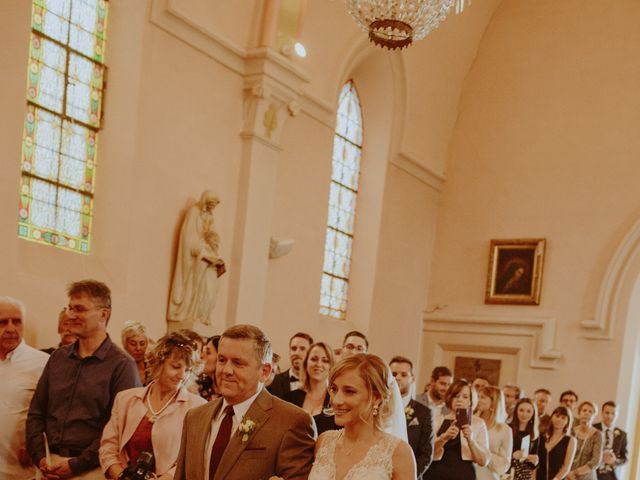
(154, 415)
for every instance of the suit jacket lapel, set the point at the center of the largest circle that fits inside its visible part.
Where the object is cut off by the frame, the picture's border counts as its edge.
(259, 412)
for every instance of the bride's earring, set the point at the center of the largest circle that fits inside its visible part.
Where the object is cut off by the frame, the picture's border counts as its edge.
(375, 411)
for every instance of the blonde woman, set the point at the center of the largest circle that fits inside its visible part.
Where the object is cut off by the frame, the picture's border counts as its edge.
(492, 410)
(313, 397)
(150, 418)
(589, 444)
(360, 398)
(135, 342)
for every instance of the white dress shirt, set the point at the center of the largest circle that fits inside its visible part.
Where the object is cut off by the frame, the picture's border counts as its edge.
(239, 411)
(20, 373)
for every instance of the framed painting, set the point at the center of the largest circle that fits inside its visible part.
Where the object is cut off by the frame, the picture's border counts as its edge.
(515, 271)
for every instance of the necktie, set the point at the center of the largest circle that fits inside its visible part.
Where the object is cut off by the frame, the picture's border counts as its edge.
(222, 439)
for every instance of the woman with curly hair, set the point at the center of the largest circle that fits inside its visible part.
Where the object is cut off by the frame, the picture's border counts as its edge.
(147, 418)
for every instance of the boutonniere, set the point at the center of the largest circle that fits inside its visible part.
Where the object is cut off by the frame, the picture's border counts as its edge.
(245, 428)
(408, 412)
(616, 432)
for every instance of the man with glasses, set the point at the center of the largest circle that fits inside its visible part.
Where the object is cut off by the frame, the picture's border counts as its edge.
(354, 342)
(73, 399)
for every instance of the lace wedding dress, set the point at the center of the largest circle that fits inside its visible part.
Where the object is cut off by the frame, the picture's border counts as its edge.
(376, 464)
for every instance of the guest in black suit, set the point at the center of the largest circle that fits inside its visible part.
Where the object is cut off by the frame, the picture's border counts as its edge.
(615, 443)
(289, 380)
(313, 396)
(419, 420)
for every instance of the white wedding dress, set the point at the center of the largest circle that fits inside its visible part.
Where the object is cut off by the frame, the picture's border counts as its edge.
(376, 464)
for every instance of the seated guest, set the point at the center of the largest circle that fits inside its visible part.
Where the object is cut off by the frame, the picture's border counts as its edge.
(525, 424)
(86, 375)
(20, 369)
(419, 421)
(313, 397)
(542, 397)
(512, 393)
(135, 342)
(491, 409)
(148, 418)
(569, 399)
(441, 380)
(558, 447)
(362, 400)
(66, 337)
(206, 381)
(589, 447)
(289, 380)
(615, 443)
(459, 447)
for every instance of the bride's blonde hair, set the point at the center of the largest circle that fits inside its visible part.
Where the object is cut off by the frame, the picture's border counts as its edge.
(375, 374)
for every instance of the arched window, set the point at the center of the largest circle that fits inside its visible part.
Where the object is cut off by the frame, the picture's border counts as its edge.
(345, 173)
(65, 81)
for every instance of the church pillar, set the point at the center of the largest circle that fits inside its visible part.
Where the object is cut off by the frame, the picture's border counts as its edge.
(270, 97)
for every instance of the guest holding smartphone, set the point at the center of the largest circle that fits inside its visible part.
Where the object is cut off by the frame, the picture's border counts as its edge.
(461, 440)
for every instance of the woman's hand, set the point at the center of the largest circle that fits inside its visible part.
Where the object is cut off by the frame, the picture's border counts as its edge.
(466, 431)
(451, 433)
(533, 459)
(517, 455)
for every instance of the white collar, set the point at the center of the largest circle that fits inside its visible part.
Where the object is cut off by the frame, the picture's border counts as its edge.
(405, 401)
(16, 351)
(240, 409)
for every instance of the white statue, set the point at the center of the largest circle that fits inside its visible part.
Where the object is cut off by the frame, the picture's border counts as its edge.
(198, 265)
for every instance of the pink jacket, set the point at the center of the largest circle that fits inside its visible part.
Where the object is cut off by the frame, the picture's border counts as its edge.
(127, 412)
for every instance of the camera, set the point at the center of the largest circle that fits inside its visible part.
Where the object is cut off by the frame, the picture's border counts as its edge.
(143, 469)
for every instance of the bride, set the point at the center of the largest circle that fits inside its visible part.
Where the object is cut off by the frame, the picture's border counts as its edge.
(362, 402)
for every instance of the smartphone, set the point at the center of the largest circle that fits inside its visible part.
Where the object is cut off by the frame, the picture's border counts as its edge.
(463, 417)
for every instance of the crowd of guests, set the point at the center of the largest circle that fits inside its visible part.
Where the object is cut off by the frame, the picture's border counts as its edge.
(218, 408)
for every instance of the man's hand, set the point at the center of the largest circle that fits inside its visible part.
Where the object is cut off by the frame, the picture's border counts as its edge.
(57, 471)
(609, 458)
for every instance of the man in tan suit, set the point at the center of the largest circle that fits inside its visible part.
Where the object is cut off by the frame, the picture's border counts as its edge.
(248, 433)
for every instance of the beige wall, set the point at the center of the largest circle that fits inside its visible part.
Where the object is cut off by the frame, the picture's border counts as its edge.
(545, 145)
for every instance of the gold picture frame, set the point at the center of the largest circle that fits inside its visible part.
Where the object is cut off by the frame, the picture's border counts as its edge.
(515, 271)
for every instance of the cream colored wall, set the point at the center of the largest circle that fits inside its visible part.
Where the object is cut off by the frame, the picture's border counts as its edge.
(173, 117)
(545, 145)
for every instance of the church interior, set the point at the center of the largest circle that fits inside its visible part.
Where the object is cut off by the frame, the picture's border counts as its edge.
(514, 119)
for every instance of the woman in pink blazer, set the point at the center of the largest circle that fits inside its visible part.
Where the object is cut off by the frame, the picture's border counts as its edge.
(150, 418)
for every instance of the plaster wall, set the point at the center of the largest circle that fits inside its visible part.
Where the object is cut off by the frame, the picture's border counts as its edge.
(545, 145)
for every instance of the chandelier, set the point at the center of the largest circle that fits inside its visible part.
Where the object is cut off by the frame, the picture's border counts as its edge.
(397, 23)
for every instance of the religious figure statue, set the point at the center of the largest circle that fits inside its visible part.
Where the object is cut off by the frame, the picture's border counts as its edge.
(198, 265)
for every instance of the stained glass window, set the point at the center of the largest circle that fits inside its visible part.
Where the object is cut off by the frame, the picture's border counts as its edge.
(345, 173)
(65, 82)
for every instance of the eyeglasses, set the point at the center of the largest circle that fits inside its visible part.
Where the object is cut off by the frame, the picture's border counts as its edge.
(351, 347)
(80, 309)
